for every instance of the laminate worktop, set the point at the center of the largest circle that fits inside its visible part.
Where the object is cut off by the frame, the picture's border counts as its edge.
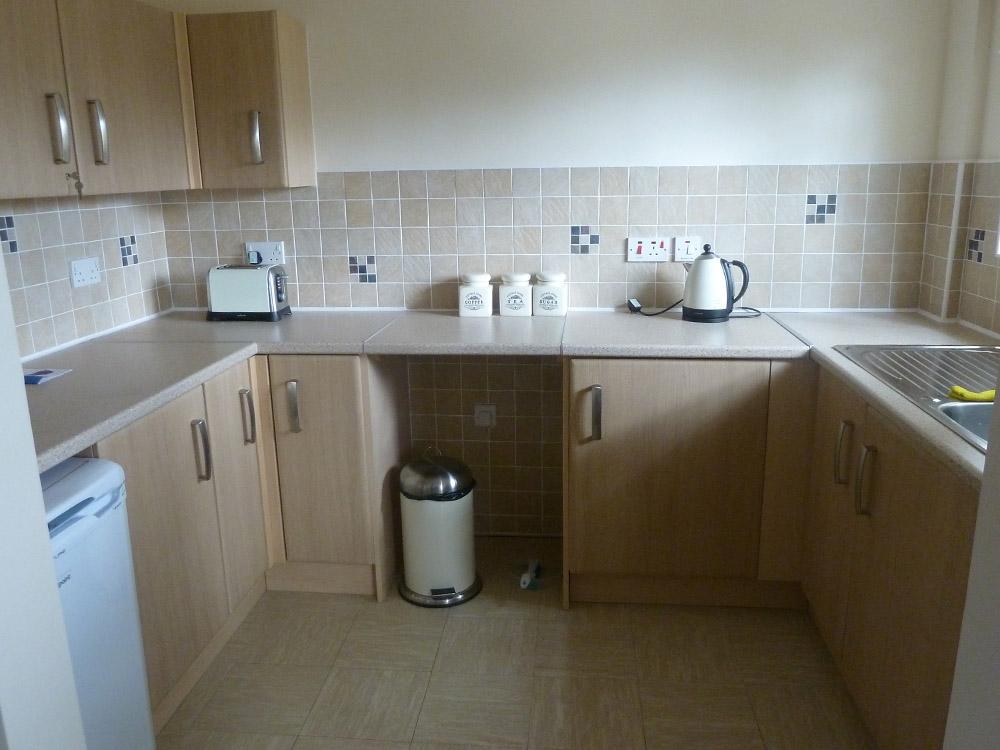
(128, 373)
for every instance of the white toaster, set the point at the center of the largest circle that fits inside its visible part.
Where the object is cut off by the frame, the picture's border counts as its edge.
(248, 293)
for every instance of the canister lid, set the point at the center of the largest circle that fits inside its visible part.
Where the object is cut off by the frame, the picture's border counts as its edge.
(550, 277)
(436, 478)
(516, 278)
(475, 278)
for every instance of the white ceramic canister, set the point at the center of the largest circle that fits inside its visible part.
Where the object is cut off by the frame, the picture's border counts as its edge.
(475, 295)
(515, 294)
(550, 295)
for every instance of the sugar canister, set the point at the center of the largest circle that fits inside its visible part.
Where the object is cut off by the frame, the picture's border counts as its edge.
(550, 296)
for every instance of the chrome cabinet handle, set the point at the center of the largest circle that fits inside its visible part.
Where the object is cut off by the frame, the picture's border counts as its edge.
(99, 132)
(859, 509)
(596, 408)
(255, 155)
(293, 405)
(845, 426)
(202, 449)
(249, 417)
(58, 128)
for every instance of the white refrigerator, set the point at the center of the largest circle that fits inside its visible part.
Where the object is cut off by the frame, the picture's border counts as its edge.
(88, 526)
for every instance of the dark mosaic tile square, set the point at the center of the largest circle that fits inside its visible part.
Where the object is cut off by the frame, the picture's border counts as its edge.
(3, 235)
(8, 222)
(595, 239)
(575, 229)
(584, 249)
(13, 246)
(810, 200)
(584, 230)
(810, 219)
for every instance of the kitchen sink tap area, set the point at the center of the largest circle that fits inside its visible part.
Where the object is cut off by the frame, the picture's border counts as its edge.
(925, 374)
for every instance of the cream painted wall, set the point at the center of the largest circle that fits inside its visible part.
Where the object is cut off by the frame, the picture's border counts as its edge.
(37, 694)
(408, 84)
(990, 148)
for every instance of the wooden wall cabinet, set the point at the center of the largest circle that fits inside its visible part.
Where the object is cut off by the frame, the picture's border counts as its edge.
(118, 71)
(251, 90)
(889, 541)
(197, 529)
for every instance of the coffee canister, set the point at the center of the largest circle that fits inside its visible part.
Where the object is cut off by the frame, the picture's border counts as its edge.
(475, 295)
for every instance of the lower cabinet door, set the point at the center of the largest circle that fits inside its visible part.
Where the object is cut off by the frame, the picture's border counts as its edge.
(320, 440)
(232, 418)
(664, 464)
(176, 549)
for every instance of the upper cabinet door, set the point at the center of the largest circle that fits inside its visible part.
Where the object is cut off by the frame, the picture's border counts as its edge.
(126, 98)
(251, 91)
(32, 70)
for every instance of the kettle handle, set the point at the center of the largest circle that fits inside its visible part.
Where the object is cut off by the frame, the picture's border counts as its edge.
(746, 277)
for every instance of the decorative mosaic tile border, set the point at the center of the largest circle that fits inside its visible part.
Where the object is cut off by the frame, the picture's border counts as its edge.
(974, 251)
(362, 268)
(129, 255)
(817, 210)
(581, 239)
(8, 240)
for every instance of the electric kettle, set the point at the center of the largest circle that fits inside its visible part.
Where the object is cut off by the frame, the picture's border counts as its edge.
(708, 290)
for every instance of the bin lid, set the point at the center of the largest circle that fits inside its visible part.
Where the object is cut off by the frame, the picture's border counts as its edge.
(436, 478)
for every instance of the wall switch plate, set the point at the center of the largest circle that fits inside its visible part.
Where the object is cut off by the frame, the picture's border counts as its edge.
(84, 272)
(687, 249)
(648, 249)
(485, 415)
(265, 253)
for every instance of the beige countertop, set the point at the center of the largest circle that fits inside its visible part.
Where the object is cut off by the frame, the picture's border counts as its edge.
(126, 374)
(112, 385)
(826, 330)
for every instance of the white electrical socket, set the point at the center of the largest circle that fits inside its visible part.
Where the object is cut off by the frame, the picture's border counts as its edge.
(485, 415)
(265, 253)
(84, 272)
(648, 249)
(687, 248)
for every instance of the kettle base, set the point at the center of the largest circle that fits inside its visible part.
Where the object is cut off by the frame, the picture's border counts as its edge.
(697, 315)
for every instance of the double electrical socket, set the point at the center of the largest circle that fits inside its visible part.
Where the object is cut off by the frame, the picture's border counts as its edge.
(658, 249)
(84, 272)
(265, 253)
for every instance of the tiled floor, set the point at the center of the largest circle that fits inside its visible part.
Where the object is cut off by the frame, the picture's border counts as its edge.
(512, 669)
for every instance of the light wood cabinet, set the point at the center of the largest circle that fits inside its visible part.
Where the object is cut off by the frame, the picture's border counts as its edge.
(32, 65)
(664, 469)
(321, 444)
(125, 89)
(176, 547)
(887, 569)
(251, 89)
(232, 417)
(196, 519)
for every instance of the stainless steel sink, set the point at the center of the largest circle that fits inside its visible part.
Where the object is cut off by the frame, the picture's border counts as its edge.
(925, 374)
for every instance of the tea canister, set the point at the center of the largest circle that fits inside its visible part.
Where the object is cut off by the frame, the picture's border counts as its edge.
(515, 294)
(550, 296)
(475, 295)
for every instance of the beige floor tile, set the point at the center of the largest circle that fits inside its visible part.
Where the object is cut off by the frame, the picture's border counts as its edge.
(335, 743)
(585, 648)
(384, 644)
(189, 709)
(682, 649)
(460, 746)
(368, 704)
(480, 709)
(819, 717)
(482, 645)
(200, 739)
(783, 658)
(572, 711)
(699, 717)
(344, 605)
(307, 638)
(264, 698)
(585, 613)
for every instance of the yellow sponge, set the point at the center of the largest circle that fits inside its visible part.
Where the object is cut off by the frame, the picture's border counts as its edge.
(962, 394)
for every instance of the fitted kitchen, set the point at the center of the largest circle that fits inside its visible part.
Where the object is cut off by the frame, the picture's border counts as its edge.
(739, 526)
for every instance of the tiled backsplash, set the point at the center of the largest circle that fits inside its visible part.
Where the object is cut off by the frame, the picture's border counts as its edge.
(518, 463)
(820, 237)
(40, 237)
